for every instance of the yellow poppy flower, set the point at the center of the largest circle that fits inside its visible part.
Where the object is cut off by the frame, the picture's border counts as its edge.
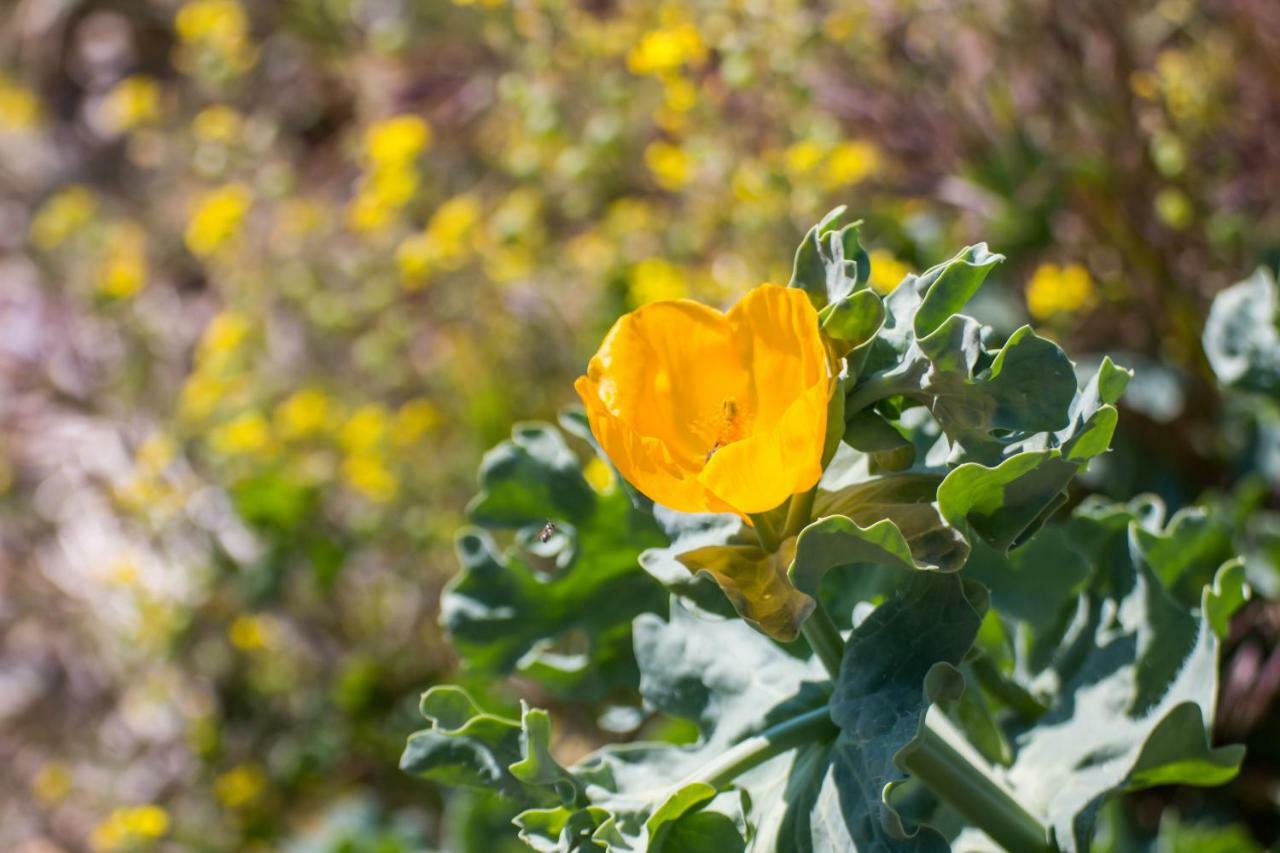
(710, 412)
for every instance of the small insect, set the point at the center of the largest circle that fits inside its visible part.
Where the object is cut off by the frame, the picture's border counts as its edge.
(712, 451)
(548, 530)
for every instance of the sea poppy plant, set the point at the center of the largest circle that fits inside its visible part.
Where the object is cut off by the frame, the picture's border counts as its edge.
(704, 411)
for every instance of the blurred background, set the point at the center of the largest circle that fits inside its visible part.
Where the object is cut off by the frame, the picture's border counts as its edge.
(274, 274)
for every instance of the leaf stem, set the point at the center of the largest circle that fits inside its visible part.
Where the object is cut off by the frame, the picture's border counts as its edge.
(876, 387)
(766, 532)
(800, 512)
(953, 770)
(824, 637)
(806, 728)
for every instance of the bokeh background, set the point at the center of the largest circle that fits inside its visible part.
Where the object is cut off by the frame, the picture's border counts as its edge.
(274, 274)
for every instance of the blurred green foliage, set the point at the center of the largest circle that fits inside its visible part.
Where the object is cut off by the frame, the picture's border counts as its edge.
(273, 276)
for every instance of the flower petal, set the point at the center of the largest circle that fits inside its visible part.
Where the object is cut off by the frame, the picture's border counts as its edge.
(667, 369)
(760, 472)
(777, 331)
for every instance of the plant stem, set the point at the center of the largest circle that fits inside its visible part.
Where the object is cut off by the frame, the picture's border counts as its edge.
(954, 771)
(808, 727)
(800, 512)
(770, 541)
(876, 387)
(824, 637)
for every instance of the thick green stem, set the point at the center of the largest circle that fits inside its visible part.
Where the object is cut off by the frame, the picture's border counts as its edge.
(808, 727)
(766, 532)
(876, 387)
(824, 637)
(954, 771)
(800, 512)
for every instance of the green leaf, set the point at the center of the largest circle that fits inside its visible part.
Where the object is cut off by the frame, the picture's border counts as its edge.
(1128, 673)
(830, 263)
(464, 746)
(558, 611)
(531, 479)
(947, 287)
(880, 701)
(1241, 338)
(853, 320)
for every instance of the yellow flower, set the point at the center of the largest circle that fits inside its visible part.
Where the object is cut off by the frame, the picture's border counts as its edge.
(887, 272)
(217, 219)
(670, 164)
(366, 429)
(449, 229)
(222, 337)
(414, 420)
(124, 270)
(212, 22)
(303, 414)
(654, 279)
(62, 215)
(218, 123)
(244, 435)
(396, 141)
(19, 107)
(666, 49)
(1055, 290)
(369, 475)
(240, 785)
(413, 259)
(133, 101)
(599, 475)
(851, 163)
(802, 157)
(52, 782)
(711, 412)
(218, 27)
(129, 825)
(250, 633)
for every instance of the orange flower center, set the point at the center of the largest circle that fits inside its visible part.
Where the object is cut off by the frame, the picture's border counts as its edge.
(729, 425)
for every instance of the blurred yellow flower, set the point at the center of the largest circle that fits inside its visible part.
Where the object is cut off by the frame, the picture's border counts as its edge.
(802, 158)
(52, 782)
(366, 429)
(218, 123)
(61, 216)
(224, 334)
(304, 413)
(710, 412)
(670, 164)
(155, 454)
(250, 633)
(217, 218)
(599, 475)
(666, 49)
(124, 270)
(851, 162)
(246, 434)
(369, 475)
(1055, 290)
(1173, 208)
(240, 785)
(449, 230)
(19, 107)
(679, 94)
(396, 141)
(413, 259)
(219, 27)
(887, 272)
(128, 826)
(415, 419)
(655, 279)
(132, 102)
